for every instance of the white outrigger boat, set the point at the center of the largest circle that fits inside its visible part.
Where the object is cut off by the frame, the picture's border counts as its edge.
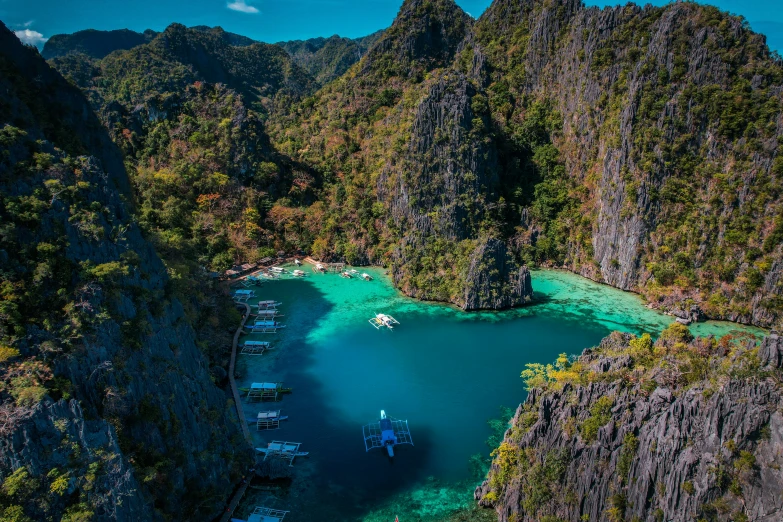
(386, 433)
(265, 514)
(297, 262)
(265, 326)
(284, 450)
(243, 295)
(267, 305)
(255, 347)
(384, 320)
(268, 314)
(366, 276)
(268, 420)
(277, 270)
(298, 273)
(346, 274)
(319, 268)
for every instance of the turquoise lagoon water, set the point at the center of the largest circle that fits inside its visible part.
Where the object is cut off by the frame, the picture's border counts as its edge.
(446, 371)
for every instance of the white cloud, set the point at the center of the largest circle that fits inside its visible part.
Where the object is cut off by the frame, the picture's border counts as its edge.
(28, 23)
(242, 7)
(30, 37)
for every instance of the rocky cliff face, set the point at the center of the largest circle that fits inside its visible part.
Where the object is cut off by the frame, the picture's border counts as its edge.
(494, 281)
(108, 405)
(656, 108)
(624, 442)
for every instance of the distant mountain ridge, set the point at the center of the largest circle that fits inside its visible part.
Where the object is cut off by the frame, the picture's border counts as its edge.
(329, 58)
(98, 44)
(324, 58)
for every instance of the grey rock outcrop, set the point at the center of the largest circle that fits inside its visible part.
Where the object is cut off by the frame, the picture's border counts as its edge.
(144, 401)
(771, 351)
(674, 453)
(579, 57)
(493, 281)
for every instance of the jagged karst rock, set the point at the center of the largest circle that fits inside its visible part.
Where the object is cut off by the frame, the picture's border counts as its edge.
(493, 281)
(576, 56)
(689, 443)
(445, 171)
(425, 34)
(771, 351)
(56, 435)
(143, 387)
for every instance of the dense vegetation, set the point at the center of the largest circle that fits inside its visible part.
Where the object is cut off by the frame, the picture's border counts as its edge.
(207, 182)
(93, 43)
(97, 44)
(89, 316)
(609, 147)
(448, 133)
(609, 404)
(328, 58)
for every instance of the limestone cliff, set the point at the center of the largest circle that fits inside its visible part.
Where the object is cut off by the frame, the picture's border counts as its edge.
(632, 431)
(108, 406)
(662, 110)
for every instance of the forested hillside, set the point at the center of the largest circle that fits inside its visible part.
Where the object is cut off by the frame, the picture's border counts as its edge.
(187, 111)
(108, 361)
(328, 58)
(636, 146)
(97, 44)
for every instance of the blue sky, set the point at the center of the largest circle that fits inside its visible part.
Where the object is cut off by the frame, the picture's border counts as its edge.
(275, 20)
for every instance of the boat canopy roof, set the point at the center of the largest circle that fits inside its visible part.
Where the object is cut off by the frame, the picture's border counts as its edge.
(264, 386)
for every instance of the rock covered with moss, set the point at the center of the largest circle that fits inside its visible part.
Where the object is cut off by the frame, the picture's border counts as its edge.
(108, 410)
(678, 429)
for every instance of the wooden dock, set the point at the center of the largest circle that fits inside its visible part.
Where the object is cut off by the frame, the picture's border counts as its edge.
(232, 505)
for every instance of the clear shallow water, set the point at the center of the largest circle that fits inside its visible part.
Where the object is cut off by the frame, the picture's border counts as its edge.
(444, 370)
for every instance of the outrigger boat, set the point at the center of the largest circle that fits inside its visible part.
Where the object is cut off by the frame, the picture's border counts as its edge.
(268, 420)
(298, 273)
(277, 270)
(265, 326)
(297, 262)
(262, 391)
(346, 274)
(243, 295)
(267, 305)
(386, 433)
(255, 347)
(319, 268)
(284, 450)
(264, 514)
(383, 320)
(268, 314)
(366, 276)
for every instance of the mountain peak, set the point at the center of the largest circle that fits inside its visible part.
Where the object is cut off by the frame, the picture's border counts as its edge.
(425, 35)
